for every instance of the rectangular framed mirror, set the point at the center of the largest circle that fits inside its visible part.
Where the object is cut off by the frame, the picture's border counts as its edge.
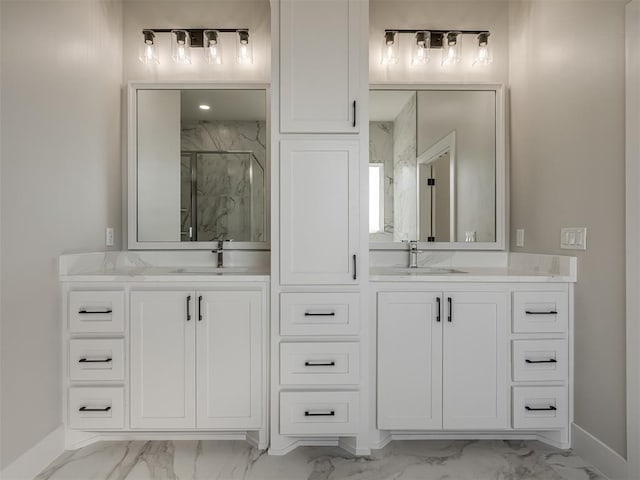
(437, 167)
(198, 166)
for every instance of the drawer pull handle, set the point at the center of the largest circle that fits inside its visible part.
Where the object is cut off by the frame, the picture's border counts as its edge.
(88, 360)
(309, 314)
(439, 309)
(84, 311)
(550, 312)
(450, 316)
(320, 364)
(200, 308)
(85, 409)
(551, 360)
(332, 413)
(188, 308)
(550, 408)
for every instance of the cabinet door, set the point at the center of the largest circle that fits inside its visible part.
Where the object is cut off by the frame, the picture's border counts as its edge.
(319, 58)
(319, 184)
(475, 359)
(409, 361)
(162, 359)
(229, 362)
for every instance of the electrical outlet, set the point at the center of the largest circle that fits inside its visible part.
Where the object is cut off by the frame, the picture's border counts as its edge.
(573, 238)
(108, 240)
(520, 237)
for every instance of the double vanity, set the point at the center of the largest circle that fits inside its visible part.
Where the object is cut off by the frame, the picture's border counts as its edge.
(317, 261)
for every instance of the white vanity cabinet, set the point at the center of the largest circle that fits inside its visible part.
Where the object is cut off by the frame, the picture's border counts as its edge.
(319, 66)
(442, 360)
(319, 191)
(195, 359)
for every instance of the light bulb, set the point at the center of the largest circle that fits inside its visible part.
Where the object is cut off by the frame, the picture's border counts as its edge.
(452, 48)
(180, 47)
(483, 54)
(212, 47)
(149, 51)
(244, 49)
(390, 48)
(421, 48)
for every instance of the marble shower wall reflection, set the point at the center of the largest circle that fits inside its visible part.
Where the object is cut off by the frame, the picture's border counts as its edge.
(229, 183)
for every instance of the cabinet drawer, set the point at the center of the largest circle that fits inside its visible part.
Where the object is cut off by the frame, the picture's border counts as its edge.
(539, 408)
(96, 359)
(319, 363)
(96, 408)
(319, 314)
(318, 413)
(540, 360)
(96, 312)
(540, 312)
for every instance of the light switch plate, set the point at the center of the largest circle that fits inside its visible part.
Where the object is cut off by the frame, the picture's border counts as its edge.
(573, 238)
(520, 237)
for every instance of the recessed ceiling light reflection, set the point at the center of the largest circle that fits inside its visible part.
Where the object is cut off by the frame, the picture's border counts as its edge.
(205, 107)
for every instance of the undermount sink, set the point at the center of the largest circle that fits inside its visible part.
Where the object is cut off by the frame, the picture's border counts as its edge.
(417, 270)
(209, 270)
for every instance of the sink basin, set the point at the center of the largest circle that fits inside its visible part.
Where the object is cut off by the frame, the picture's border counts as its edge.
(209, 270)
(416, 271)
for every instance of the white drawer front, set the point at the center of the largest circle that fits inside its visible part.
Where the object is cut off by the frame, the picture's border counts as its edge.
(540, 408)
(96, 359)
(96, 312)
(319, 314)
(319, 363)
(318, 413)
(540, 360)
(540, 312)
(96, 408)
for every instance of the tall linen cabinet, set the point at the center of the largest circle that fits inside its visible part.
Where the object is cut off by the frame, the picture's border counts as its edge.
(319, 141)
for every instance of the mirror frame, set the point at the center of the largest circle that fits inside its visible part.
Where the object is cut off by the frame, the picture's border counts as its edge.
(130, 223)
(502, 179)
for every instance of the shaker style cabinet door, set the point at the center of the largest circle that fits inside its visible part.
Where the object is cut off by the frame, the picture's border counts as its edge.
(229, 359)
(319, 205)
(409, 361)
(475, 361)
(163, 328)
(319, 60)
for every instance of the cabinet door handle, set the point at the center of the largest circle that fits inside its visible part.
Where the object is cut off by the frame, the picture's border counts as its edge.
(439, 308)
(550, 408)
(550, 312)
(87, 360)
(84, 311)
(551, 360)
(200, 308)
(320, 364)
(354, 113)
(86, 409)
(188, 307)
(328, 314)
(331, 413)
(450, 316)
(355, 267)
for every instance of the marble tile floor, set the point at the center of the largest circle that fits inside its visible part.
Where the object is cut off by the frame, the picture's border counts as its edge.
(400, 460)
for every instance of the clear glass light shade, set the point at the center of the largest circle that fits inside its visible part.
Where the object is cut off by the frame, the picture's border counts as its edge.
(390, 49)
(148, 49)
(483, 53)
(421, 49)
(451, 49)
(212, 47)
(180, 47)
(244, 48)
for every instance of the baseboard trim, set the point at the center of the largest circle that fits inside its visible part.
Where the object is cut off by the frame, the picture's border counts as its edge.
(599, 455)
(37, 458)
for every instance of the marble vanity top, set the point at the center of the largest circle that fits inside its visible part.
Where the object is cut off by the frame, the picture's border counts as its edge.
(155, 266)
(507, 267)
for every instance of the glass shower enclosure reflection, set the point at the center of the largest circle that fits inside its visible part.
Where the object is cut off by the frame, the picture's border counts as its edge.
(221, 196)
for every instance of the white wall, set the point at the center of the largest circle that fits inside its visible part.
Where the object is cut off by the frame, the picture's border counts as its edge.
(61, 69)
(567, 169)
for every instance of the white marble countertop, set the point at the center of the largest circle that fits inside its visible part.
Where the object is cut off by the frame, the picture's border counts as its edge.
(467, 274)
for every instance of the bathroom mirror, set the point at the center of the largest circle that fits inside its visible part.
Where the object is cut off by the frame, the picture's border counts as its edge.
(437, 167)
(198, 166)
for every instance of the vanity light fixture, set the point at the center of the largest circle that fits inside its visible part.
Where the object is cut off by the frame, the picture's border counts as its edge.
(149, 50)
(483, 55)
(243, 48)
(390, 48)
(184, 39)
(449, 41)
(181, 46)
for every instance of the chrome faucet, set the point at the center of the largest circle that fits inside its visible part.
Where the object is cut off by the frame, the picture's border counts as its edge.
(413, 253)
(219, 251)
